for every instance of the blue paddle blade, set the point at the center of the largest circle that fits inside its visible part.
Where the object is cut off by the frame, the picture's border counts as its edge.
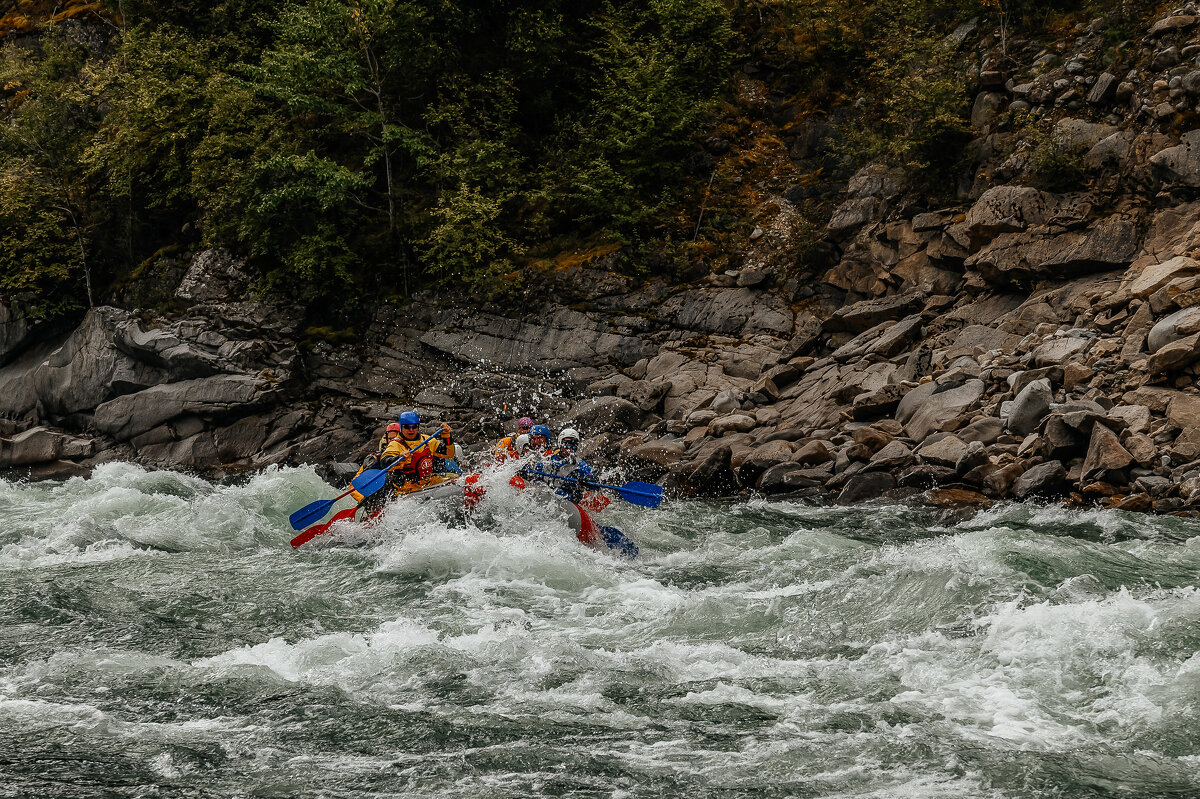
(615, 539)
(312, 512)
(370, 481)
(646, 495)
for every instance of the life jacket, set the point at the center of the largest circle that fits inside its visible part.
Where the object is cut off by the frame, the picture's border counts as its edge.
(420, 465)
(505, 448)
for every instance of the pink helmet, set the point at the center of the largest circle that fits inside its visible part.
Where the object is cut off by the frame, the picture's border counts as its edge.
(524, 423)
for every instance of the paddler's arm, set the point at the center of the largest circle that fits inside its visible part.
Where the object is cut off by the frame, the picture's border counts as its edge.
(444, 450)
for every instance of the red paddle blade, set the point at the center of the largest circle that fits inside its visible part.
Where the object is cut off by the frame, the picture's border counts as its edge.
(317, 529)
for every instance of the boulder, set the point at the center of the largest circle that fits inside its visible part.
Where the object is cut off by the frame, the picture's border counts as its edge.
(1180, 164)
(41, 445)
(813, 453)
(866, 314)
(737, 423)
(1174, 327)
(214, 275)
(1030, 407)
(663, 452)
(1005, 209)
(1057, 351)
(1183, 410)
(1105, 453)
(864, 486)
(985, 430)
(126, 416)
(605, 415)
(1175, 355)
(714, 477)
(897, 338)
(974, 455)
(786, 477)
(925, 409)
(15, 328)
(891, 456)
(1044, 479)
(945, 451)
(1153, 277)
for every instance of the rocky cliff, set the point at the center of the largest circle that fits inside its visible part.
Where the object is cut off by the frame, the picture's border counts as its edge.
(1037, 338)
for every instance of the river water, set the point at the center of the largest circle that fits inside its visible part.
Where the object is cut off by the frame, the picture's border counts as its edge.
(158, 637)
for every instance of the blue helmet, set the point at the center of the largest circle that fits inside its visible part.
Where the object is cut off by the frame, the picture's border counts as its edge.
(409, 417)
(540, 430)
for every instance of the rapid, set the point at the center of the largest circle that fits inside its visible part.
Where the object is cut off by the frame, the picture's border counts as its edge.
(159, 637)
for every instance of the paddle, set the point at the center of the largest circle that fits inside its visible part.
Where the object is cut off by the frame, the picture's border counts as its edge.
(366, 484)
(635, 492)
(318, 529)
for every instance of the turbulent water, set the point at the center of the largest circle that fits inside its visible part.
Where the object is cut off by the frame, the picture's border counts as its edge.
(158, 637)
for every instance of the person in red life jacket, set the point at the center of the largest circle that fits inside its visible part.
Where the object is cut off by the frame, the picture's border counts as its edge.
(507, 446)
(419, 464)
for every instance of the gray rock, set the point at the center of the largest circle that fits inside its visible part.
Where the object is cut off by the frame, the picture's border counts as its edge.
(41, 445)
(786, 477)
(1004, 209)
(985, 430)
(14, 329)
(944, 451)
(1030, 407)
(1179, 325)
(897, 338)
(727, 401)
(1045, 479)
(131, 414)
(1058, 351)
(866, 314)
(1180, 164)
(926, 409)
(596, 415)
(1103, 90)
(974, 455)
(737, 423)
(892, 455)
(214, 274)
(714, 477)
(864, 486)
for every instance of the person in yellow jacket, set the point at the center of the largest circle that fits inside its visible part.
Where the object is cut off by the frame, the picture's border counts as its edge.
(417, 467)
(507, 446)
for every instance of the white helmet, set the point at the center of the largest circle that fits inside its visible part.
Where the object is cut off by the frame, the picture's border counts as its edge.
(569, 438)
(522, 442)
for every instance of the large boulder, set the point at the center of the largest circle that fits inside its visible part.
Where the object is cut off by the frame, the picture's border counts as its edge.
(605, 415)
(78, 374)
(928, 408)
(14, 329)
(1151, 278)
(132, 414)
(1180, 164)
(1005, 209)
(40, 445)
(1030, 407)
(864, 315)
(215, 274)
(1178, 325)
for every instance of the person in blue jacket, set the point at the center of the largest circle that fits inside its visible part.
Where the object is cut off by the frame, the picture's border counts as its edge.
(565, 462)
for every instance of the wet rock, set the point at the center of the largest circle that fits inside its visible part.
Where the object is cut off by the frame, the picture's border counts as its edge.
(956, 498)
(786, 477)
(813, 453)
(999, 481)
(663, 452)
(714, 476)
(974, 455)
(864, 486)
(891, 456)
(41, 445)
(1044, 479)
(1105, 453)
(131, 414)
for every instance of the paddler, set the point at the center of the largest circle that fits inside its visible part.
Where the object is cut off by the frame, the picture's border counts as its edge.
(565, 462)
(420, 457)
(507, 446)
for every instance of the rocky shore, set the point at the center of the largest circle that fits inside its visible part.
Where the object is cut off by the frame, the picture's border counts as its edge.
(1023, 343)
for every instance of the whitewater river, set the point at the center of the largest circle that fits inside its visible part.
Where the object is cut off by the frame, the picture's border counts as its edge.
(158, 637)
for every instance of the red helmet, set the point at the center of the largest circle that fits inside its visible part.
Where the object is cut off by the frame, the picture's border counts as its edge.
(394, 427)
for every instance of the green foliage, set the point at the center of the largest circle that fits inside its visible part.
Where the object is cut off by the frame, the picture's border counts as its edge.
(48, 208)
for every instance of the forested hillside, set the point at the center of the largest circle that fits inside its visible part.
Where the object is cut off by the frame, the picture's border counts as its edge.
(364, 148)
